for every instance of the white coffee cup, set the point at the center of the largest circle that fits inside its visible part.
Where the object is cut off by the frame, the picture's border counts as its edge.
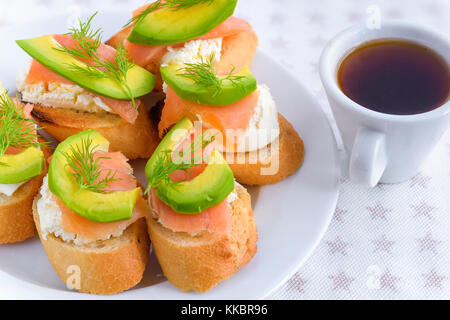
(383, 147)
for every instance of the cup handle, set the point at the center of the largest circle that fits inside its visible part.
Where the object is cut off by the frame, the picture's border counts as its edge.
(368, 159)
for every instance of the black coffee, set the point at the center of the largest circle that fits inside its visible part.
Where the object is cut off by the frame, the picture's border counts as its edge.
(395, 77)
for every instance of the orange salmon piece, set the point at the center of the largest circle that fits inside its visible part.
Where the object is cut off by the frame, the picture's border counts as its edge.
(72, 222)
(235, 116)
(40, 74)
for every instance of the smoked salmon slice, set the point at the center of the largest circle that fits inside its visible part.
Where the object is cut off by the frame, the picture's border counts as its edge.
(40, 74)
(144, 55)
(235, 116)
(71, 222)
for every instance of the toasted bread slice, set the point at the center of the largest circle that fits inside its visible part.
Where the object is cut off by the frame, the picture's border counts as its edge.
(16, 211)
(16, 216)
(137, 140)
(200, 262)
(268, 166)
(106, 267)
(238, 51)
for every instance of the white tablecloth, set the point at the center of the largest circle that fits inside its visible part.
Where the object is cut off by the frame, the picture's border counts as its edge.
(391, 242)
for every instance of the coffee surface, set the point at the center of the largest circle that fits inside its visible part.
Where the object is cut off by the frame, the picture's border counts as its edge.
(395, 77)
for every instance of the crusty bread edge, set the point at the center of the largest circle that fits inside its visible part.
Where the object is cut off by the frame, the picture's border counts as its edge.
(137, 140)
(16, 216)
(101, 272)
(291, 153)
(208, 258)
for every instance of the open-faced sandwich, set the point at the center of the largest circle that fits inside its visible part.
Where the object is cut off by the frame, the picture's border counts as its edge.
(259, 144)
(22, 166)
(90, 215)
(177, 32)
(202, 226)
(78, 83)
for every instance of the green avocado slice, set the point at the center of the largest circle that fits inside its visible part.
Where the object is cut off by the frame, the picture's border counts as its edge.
(169, 26)
(206, 190)
(230, 93)
(43, 49)
(15, 168)
(98, 207)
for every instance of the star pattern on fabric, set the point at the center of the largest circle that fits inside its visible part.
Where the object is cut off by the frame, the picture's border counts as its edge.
(355, 16)
(433, 279)
(389, 281)
(427, 243)
(277, 18)
(423, 210)
(337, 246)
(279, 43)
(382, 244)
(339, 214)
(315, 18)
(341, 281)
(298, 283)
(378, 211)
(419, 180)
(317, 41)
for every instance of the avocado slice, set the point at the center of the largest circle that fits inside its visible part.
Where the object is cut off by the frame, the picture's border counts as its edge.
(44, 50)
(206, 190)
(15, 168)
(187, 89)
(98, 207)
(169, 26)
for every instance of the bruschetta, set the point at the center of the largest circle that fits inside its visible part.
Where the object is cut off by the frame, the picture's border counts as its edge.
(208, 27)
(259, 144)
(91, 214)
(22, 166)
(77, 83)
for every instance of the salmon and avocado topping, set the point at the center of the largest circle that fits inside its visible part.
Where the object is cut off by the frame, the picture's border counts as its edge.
(90, 181)
(200, 83)
(174, 21)
(213, 180)
(79, 57)
(20, 155)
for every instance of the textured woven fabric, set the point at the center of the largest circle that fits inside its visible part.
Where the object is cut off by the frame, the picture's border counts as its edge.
(390, 242)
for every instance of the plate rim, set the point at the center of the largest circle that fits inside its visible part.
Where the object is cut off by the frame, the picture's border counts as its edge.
(288, 273)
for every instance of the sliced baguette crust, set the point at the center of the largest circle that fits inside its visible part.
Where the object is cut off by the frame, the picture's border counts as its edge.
(200, 262)
(16, 212)
(16, 216)
(291, 151)
(238, 51)
(107, 267)
(137, 140)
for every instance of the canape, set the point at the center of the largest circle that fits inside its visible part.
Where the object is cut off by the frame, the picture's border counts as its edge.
(90, 215)
(22, 166)
(259, 144)
(202, 227)
(176, 32)
(78, 83)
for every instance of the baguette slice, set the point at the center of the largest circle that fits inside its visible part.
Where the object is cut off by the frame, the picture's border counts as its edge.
(289, 158)
(16, 212)
(16, 218)
(200, 262)
(106, 267)
(137, 140)
(238, 51)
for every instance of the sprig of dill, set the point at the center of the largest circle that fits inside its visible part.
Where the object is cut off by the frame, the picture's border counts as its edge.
(16, 131)
(165, 165)
(204, 75)
(171, 4)
(86, 168)
(86, 43)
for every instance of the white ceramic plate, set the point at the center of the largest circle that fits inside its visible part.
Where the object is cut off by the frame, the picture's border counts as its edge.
(291, 216)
